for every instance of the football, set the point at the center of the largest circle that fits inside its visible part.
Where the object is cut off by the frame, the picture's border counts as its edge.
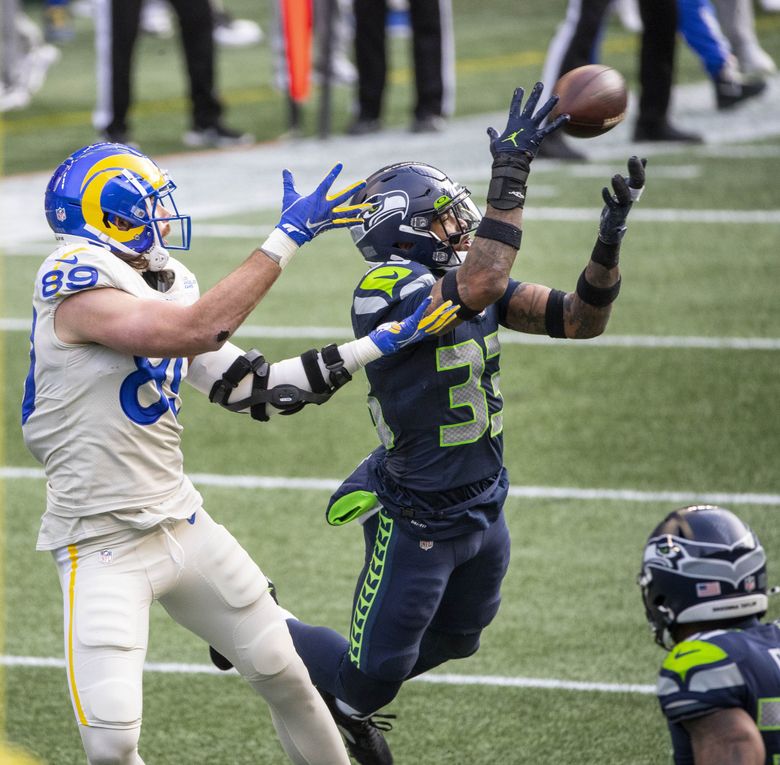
(594, 96)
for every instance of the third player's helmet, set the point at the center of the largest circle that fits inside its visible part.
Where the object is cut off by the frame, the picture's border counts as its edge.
(407, 198)
(111, 194)
(701, 564)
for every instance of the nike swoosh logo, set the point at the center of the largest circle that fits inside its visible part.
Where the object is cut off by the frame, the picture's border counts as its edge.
(315, 224)
(679, 655)
(394, 275)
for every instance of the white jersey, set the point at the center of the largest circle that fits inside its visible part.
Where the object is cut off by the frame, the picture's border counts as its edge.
(103, 423)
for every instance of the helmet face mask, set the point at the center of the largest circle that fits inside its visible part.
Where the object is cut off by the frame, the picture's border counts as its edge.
(701, 564)
(418, 214)
(115, 196)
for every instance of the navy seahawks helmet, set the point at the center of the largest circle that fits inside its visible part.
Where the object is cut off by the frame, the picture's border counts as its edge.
(111, 194)
(407, 198)
(701, 564)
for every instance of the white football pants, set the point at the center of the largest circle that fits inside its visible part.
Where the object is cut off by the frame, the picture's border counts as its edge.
(209, 584)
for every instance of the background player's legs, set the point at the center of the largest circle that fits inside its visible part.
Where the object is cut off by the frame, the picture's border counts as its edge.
(116, 30)
(197, 27)
(370, 56)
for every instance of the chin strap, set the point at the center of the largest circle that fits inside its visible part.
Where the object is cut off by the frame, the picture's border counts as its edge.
(287, 398)
(157, 257)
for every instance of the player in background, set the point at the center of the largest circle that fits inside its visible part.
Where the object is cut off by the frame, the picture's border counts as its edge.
(431, 496)
(117, 325)
(704, 588)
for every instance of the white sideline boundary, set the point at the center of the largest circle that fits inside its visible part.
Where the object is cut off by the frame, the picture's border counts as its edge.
(496, 681)
(525, 492)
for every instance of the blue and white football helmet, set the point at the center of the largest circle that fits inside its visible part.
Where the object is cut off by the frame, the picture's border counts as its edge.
(105, 184)
(701, 564)
(407, 198)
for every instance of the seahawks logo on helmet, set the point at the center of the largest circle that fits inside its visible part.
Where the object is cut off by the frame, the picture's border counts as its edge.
(385, 206)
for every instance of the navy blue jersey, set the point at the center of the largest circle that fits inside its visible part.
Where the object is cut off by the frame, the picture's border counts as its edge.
(719, 670)
(436, 406)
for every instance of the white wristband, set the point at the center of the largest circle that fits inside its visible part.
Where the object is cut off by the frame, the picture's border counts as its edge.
(358, 353)
(279, 247)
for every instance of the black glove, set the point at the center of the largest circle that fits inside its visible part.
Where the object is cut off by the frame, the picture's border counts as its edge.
(523, 134)
(514, 149)
(627, 191)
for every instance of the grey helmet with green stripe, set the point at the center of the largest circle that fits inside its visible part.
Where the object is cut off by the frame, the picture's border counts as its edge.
(407, 197)
(701, 564)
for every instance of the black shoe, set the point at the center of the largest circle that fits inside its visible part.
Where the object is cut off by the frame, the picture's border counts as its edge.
(433, 123)
(223, 663)
(663, 131)
(216, 136)
(364, 127)
(554, 146)
(362, 736)
(730, 92)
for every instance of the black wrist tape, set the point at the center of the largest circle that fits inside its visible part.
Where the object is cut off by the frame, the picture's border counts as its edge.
(598, 297)
(498, 231)
(604, 254)
(507, 184)
(553, 314)
(449, 291)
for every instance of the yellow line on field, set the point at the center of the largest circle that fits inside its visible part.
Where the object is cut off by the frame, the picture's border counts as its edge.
(3, 541)
(142, 109)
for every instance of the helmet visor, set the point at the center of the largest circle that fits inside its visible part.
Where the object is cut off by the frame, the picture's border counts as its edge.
(451, 219)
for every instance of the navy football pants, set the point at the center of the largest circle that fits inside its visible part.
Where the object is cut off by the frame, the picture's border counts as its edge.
(416, 605)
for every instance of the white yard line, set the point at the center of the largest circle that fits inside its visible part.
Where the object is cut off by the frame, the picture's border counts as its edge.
(525, 492)
(507, 338)
(497, 681)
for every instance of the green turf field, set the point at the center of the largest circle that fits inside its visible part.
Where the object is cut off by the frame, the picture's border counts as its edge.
(644, 427)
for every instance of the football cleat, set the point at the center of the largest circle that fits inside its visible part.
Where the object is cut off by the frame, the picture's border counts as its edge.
(362, 735)
(220, 661)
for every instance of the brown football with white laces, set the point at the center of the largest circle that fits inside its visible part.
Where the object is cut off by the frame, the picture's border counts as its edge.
(595, 96)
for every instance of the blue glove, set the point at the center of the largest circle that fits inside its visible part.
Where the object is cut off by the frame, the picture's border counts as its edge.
(523, 133)
(303, 218)
(612, 227)
(395, 335)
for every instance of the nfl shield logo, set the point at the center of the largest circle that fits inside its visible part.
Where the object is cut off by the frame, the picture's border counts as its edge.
(425, 544)
(60, 213)
(106, 556)
(750, 583)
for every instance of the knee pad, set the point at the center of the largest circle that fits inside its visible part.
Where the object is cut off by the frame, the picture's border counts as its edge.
(113, 701)
(271, 650)
(111, 746)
